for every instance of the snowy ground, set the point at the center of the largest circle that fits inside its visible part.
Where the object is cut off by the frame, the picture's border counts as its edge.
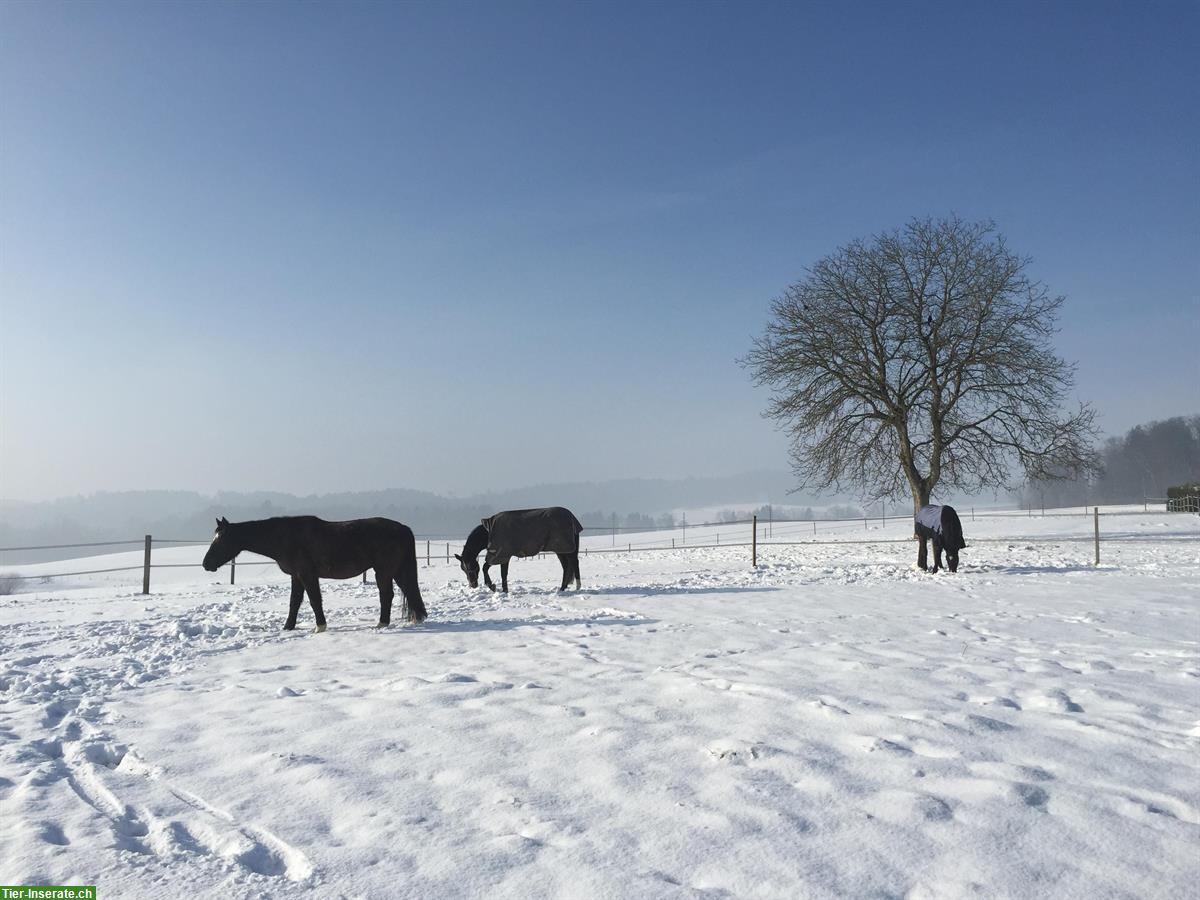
(833, 723)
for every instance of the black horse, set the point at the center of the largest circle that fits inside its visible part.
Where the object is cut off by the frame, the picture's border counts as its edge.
(522, 532)
(308, 549)
(939, 524)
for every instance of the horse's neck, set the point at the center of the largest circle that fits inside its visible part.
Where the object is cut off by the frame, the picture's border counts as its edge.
(476, 541)
(258, 537)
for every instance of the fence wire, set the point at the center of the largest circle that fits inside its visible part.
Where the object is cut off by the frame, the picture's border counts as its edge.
(139, 541)
(766, 540)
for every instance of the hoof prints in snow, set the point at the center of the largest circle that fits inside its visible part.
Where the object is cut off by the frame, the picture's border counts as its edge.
(446, 689)
(1053, 701)
(907, 808)
(143, 814)
(102, 774)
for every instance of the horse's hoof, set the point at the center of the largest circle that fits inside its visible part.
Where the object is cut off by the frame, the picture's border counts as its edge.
(384, 625)
(289, 627)
(319, 629)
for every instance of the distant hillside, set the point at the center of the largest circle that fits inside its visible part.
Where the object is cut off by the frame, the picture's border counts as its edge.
(646, 495)
(187, 515)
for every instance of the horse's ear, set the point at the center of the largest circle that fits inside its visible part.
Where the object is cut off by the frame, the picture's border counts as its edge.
(222, 522)
(459, 558)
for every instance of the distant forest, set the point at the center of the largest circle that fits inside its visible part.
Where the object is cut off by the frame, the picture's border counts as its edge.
(1142, 463)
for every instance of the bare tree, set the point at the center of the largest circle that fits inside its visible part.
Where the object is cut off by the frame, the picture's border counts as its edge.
(921, 359)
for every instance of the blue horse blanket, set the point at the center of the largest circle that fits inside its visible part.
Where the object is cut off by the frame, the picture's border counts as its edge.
(940, 523)
(528, 532)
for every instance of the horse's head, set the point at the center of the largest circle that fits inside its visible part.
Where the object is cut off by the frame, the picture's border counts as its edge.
(223, 547)
(470, 567)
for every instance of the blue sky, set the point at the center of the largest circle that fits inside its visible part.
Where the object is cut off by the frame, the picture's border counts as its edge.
(459, 246)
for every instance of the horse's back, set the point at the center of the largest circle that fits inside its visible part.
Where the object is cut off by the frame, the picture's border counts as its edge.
(348, 548)
(377, 526)
(316, 528)
(527, 532)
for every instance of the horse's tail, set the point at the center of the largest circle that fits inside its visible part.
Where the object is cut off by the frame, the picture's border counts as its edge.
(414, 606)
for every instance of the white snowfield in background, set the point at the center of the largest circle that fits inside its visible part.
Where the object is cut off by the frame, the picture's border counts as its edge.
(834, 723)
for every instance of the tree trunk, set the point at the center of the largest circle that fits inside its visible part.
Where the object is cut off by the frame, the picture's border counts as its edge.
(920, 497)
(920, 494)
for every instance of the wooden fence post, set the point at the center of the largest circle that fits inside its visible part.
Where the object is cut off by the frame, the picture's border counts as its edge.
(146, 568)
(754, 543)
(1096, 515)
(427, 553)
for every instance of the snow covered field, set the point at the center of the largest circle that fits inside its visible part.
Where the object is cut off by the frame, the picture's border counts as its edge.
(834, 723)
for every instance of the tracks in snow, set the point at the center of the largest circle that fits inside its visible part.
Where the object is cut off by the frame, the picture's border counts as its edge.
(56, 724)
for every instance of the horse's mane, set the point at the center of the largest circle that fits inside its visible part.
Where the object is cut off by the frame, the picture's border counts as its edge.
(476, 541)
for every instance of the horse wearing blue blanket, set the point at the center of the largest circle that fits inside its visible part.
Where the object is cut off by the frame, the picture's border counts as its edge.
(939, 524)
(522, 532)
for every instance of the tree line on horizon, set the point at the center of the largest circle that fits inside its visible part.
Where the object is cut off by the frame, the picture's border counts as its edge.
(1144, 463)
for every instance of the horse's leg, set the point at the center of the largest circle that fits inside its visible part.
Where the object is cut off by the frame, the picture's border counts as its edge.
(294, 603)
(575, 560)
(312, 584)
(937, 553)
(487, 579)
(565, 559)
(504, 577)
(952, 560)
(922, 555)
(386, 593)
